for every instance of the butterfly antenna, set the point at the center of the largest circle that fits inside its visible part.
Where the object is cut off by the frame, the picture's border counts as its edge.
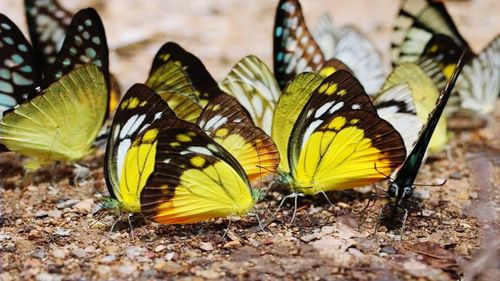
(439, 184)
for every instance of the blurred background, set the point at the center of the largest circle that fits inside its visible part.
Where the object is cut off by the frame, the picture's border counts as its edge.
(220, 32)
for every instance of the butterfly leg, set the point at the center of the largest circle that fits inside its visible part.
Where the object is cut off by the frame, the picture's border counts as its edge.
(130, 224)
(227, 229)
(296, 198)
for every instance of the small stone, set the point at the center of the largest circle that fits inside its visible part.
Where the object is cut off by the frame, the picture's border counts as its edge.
(342, 205)
(10, 247)
(67, 203)
(232, 244)
(5, 237)
(134, 252)
(47, 277)
(209, 274)
(79, 252)
(62, 232)
(41, 214)
(388, 250)
(309, 237)
(456, 175)
(84, 206)
(169, 256)
(39, 254)
(127, 269)
(160, 248)
(108, 259)
(59, 253)
(55, 214)
(206, 246)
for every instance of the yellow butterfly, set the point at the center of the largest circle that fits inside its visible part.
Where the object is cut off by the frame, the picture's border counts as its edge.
(331, 136)
(175, 172)
(60, 123)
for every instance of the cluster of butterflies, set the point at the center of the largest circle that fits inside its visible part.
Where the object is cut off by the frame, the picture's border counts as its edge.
(184, 148)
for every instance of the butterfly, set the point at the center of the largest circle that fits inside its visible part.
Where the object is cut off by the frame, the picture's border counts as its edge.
(171, 170)
(425, 32)
(296, 49)
(61, 122)
(22, 74)
(336, 140)
(401, 187)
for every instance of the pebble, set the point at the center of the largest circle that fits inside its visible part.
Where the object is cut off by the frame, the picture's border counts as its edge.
(133, 252)
(169, 256)
(58, 252)
(5, 237)
(39, 254)
(67, 204)
(84, 206)
(388, 250)
(62, 232)
(79, 252)
(456, 175)
(10, 247)
(206, 246)
(41, 214)
(108, 259)
(127, 269)
(232, 244)
(55, 214)
(160, 248)
(48, 277)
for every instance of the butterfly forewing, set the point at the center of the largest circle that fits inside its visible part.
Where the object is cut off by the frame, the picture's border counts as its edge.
(252, 83)
(139, 109)
(417, 22)
(19, 72)
(47, 23)
(85, 42)
(350, 148)
(204, 84)
(294, 48)
(339, 91)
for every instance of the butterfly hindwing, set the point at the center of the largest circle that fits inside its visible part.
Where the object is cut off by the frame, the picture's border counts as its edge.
(194, 178)
(295, 50)
(19, 72)
(60, 123)
(228, 124)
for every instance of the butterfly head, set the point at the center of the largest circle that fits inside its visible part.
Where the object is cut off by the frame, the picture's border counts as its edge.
(400, 192)
(109, 204)
(257, 195)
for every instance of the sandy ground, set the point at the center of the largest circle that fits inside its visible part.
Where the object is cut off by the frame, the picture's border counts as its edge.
(48, 234)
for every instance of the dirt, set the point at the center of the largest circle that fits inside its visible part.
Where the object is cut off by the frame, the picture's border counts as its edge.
(49, 233)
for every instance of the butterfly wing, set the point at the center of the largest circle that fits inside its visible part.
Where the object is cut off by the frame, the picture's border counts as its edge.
(290, 104)
(85, 42)
(194, 179)
(47, 23)
(203, 83)
(19, 72)
(424, 94)
(173, 84)
(129, 160)
(294, 48)
(339, 142)
(417, 22)
(479, 83)
(228, 124)
(396, 105)
(252, 83)
(61, 123)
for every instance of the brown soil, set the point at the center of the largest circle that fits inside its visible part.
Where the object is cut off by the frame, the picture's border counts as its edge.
(49, 233)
